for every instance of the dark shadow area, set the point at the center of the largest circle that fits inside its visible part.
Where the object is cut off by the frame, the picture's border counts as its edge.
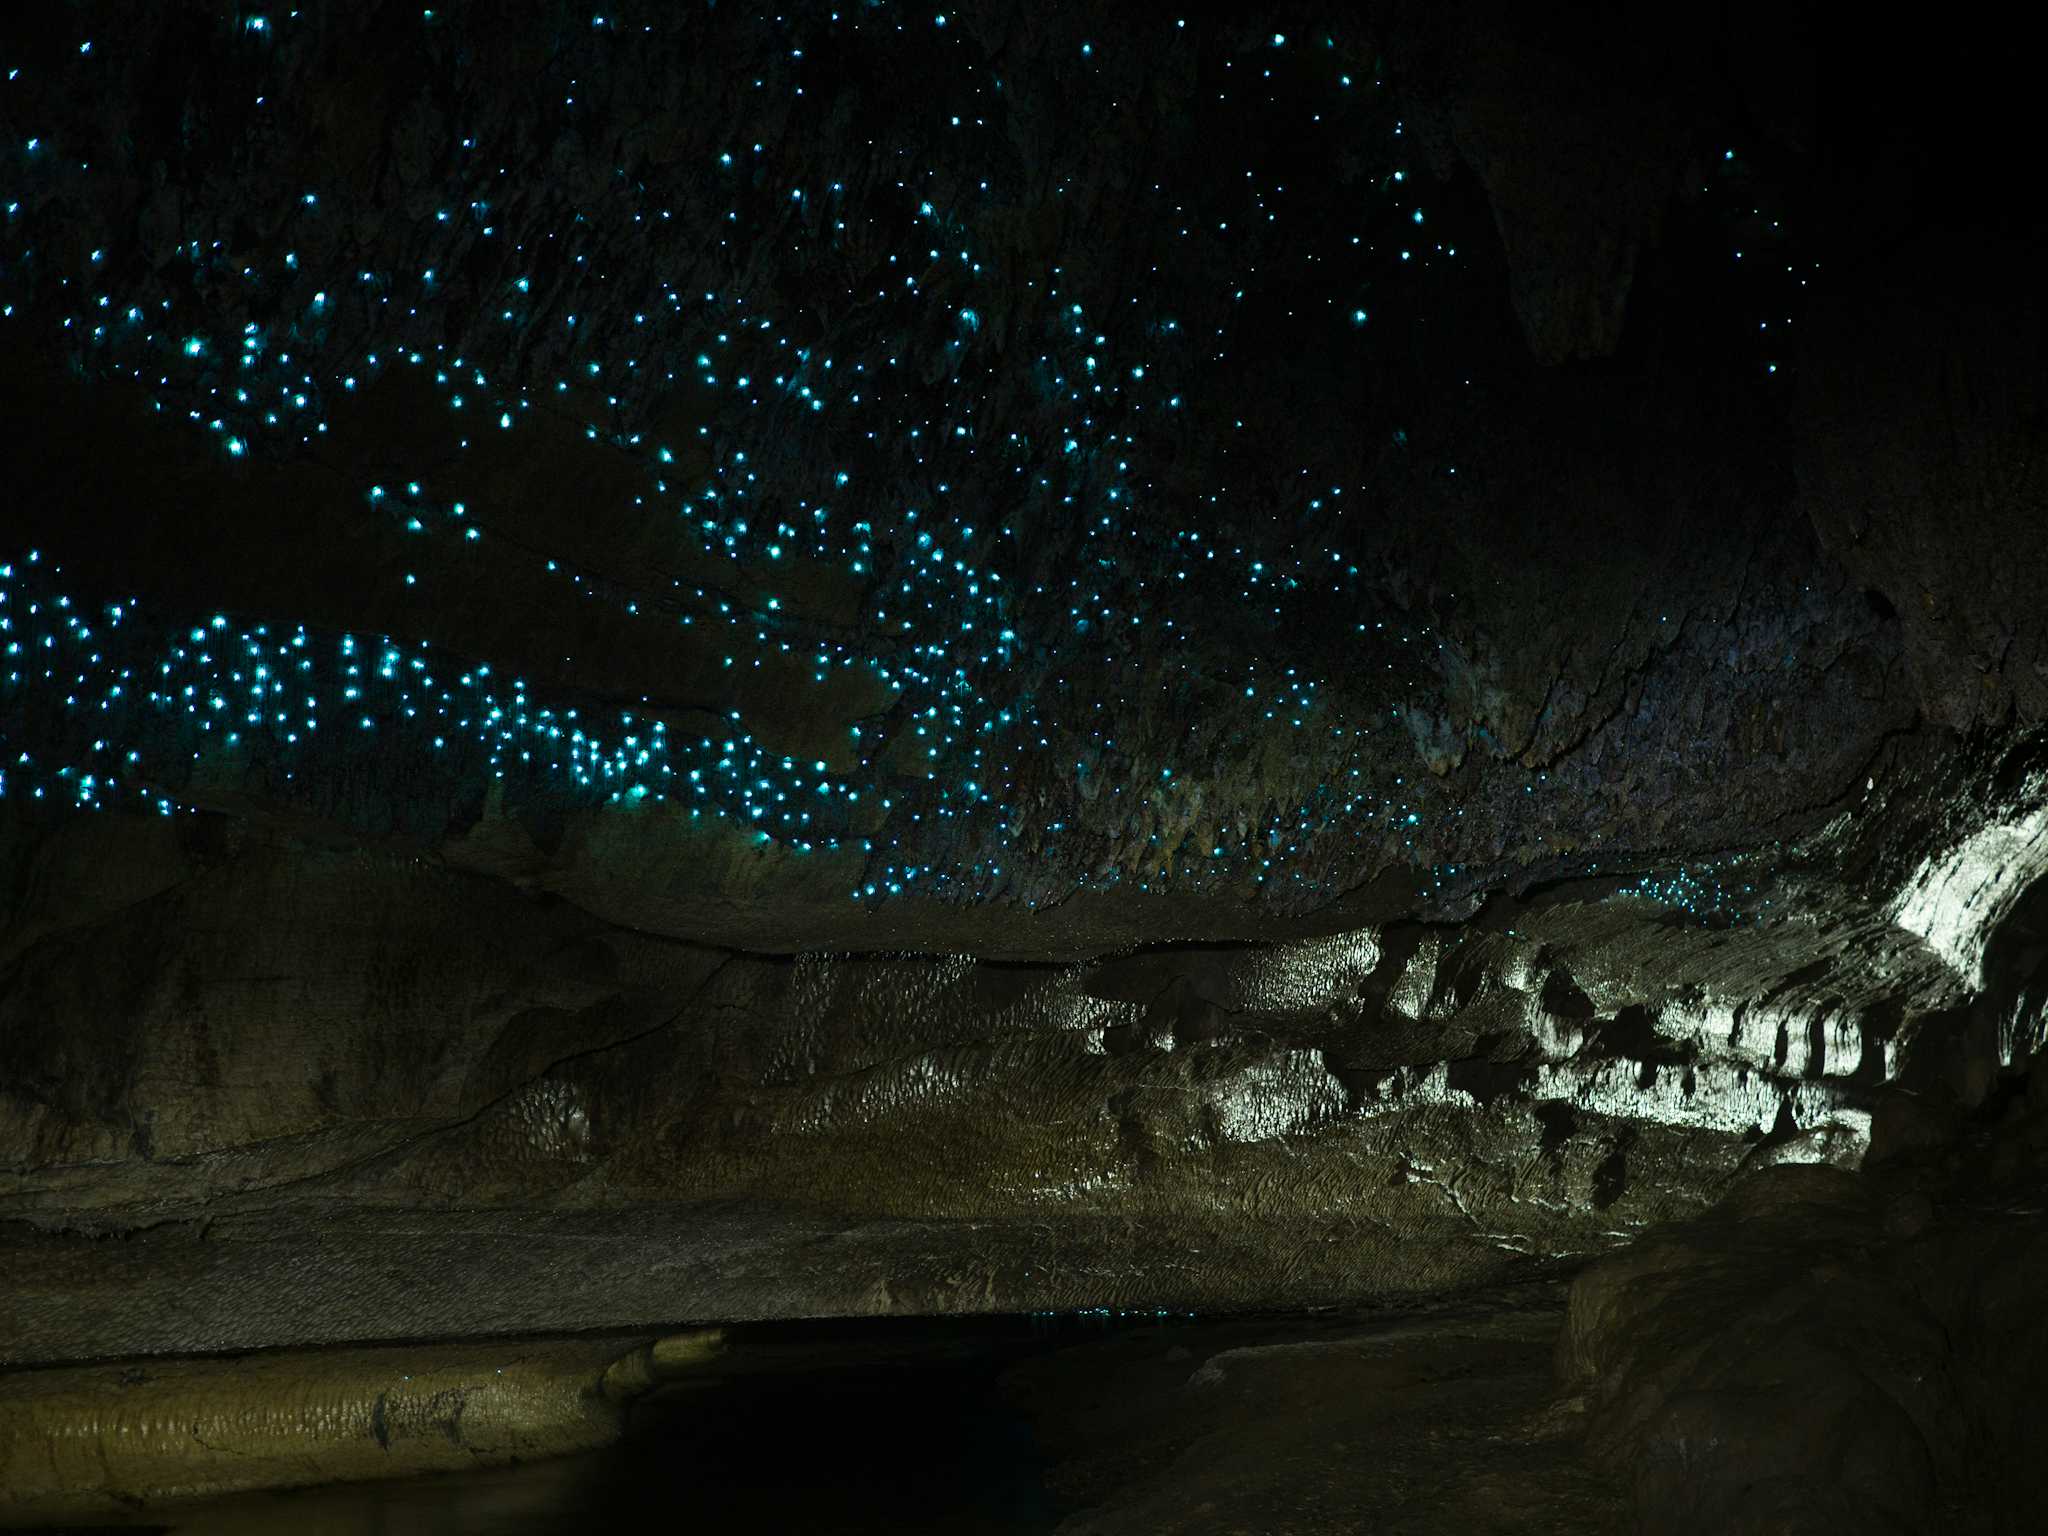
(867, 1425)
(887, 1447)
(998, 1426)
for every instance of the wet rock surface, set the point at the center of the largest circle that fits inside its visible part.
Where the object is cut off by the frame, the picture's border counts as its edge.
(91, 1442)
(350, 1059)
(440, 1104)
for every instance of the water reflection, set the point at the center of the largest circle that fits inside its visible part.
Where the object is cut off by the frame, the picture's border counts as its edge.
(893, 1426)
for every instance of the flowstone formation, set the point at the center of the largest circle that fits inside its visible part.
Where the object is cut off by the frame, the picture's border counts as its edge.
(667, 664)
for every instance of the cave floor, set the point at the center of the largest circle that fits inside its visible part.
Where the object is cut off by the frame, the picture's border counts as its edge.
(1441, 1417)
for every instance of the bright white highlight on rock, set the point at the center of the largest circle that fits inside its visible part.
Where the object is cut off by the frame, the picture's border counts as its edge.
(1956, 899)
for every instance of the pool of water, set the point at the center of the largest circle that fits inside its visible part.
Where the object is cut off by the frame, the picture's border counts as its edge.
(891, 1425)
(1437, 1416)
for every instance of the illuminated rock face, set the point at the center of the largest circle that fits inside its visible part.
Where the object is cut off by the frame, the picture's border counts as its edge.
(102, 1440)
(458, 1107)
(1076, 660)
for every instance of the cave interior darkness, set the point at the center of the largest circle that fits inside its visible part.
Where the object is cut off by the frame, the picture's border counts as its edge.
(1112, 767)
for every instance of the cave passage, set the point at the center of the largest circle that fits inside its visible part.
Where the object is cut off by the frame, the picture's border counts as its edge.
(1357, 693)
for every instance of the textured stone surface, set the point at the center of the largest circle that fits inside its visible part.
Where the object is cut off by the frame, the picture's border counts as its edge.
(1825, 1351)
(227, 1052)
(106, 1440)
(1411, 616)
